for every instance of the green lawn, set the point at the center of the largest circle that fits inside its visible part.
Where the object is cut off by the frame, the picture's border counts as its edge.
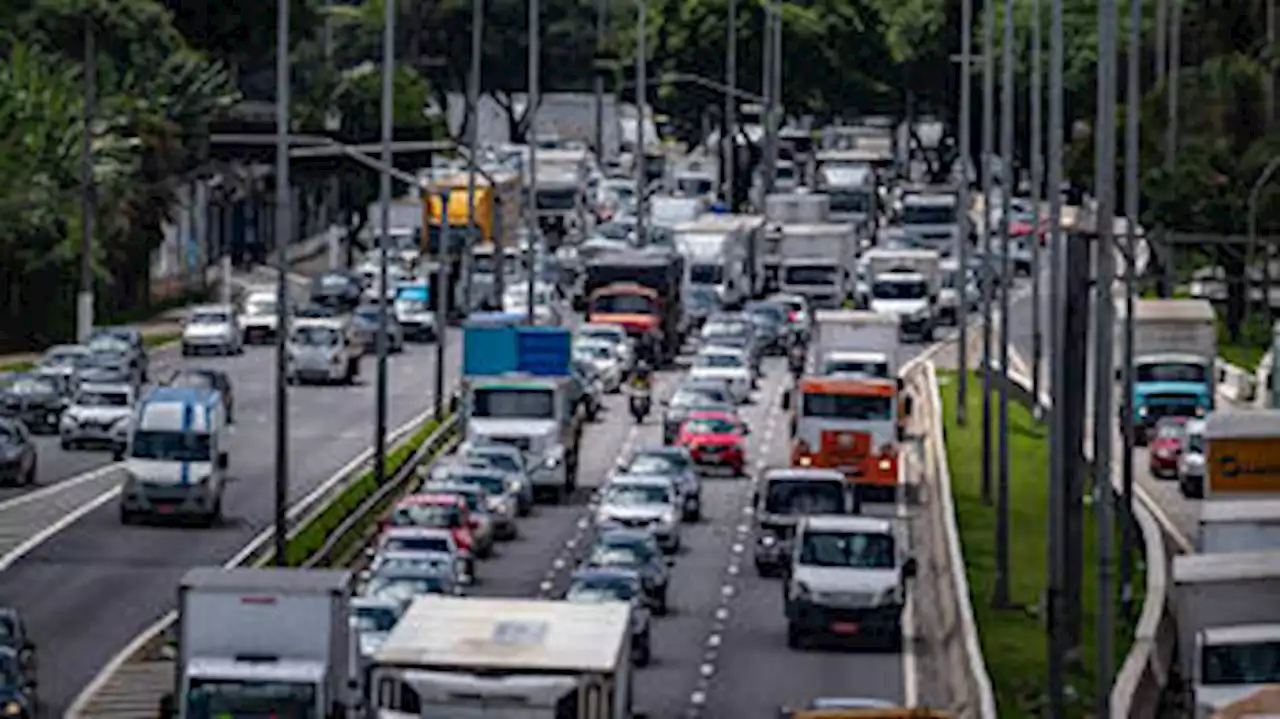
(1246, 352)
(1014, 641)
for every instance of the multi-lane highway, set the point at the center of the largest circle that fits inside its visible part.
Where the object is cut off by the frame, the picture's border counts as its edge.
(88, 589)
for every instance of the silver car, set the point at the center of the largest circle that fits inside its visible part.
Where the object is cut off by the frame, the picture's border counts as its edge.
(1191, 463)
(650, 503)
(501, 495)
(371, 620)
(98, 414)
(510, 460)
(212, 328)
(673, 462)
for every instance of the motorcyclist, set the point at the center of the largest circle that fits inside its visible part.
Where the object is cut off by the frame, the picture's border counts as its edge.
(642, 377)
(795, 359)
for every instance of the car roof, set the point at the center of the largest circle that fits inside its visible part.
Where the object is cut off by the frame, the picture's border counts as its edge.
(665, 450)
(619, 535)
(419, 532)
(606, 572)
(712, 414)
(642, 480)
(445, 487)
(211, 308)
(468, 467)
(784, 473)
(420, 499)
(601, 326)
(366, 602)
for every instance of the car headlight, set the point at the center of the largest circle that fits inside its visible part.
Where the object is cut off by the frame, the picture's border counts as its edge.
(12, 709)
(768, 540)
(554, 457)
(668, 517)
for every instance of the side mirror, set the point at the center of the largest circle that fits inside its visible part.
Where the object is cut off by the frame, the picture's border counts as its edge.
(671, 561)
(908, 404)
(909, 568)
(786, 400)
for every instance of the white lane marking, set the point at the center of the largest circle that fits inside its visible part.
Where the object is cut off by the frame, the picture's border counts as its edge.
(910, 681)
(59, 486)
(63, 522)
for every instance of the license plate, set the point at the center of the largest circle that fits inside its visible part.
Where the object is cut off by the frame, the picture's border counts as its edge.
(844, 628)
(711, 456)
(164, 508)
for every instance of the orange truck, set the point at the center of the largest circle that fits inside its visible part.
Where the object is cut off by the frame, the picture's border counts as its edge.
(850, 423)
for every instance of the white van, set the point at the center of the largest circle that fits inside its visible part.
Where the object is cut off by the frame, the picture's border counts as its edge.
(177, 455)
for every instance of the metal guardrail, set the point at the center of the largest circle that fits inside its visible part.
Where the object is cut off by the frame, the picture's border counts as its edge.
(972, 695)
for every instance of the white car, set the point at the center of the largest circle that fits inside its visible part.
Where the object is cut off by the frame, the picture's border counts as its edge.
(643, 502)
(603, 356)
(1191, 462)
(546, 311)
(212, 328)
(259, 317)
(730, 364)
(613, 334)
(99, 414)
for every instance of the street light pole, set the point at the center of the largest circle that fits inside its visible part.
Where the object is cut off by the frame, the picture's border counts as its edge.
(988, 279)
(1001, 595)
(534, 99)
(282, 283)
(1056, 624)
(966, 229)
(384, 237)
(1037, 188)
(730, 107)
(642, 62)
(598, 79)
(1133, 96)
(473, 132)
(88, 189)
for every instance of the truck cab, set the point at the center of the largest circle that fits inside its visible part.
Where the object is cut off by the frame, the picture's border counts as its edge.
(642, 292)
(851, 424)
(715, 259)
(539, 415)
(905, 284)
(816, 262)
(855, 193)
(177, 456)
(789, 493)
(1232, 662)
(931, 220)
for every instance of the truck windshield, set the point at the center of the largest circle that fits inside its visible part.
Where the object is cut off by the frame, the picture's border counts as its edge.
(846, 406)
(899, 291)
(847, 549)
(220, 698)
(705, 274)
(694, 185)
(810, 275)
(624, 304)
(1171, 372)
(172, 446)
(1253, 663)
(850, 202)
(865, 368)
(928, 215)
(514, 404)
(557, 199)
(804, 497)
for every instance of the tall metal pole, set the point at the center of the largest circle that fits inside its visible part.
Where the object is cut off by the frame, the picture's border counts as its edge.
(442, 298)
(473, 132)
(1000, 596)
(88, 189)
(384, 238)
(1056, 544)
(1133, 96)
(283, 187)
(1175, 59)
(988, 276)
(1271, 75)
(1104, 183)
(730, 106)
(966, 227)
(766, 89)
(1037, 188)
(642, 111)
(1162, 33)
(598, 81)
(535, 99)
(779, 108)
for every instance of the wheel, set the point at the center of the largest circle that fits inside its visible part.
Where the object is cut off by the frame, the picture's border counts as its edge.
(215, 516)
(30, 478)
(660, 604)
(127, 517)
(65, 444)
(795, 639)
(763, 571)
(186, 351)
(643, 651)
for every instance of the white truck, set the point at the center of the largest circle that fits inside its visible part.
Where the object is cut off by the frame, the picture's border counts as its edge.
(953, 292)
(1175, 345)
(715, 259)
(465, 658)
(818, 261)
(254, 642)
(849, 342)
(906, 283)
(791, 208)
(930, 219)
(1238, 525)
(1228, 625)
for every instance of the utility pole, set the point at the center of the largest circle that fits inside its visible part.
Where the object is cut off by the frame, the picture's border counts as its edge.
(766, 89)
(730, 107)
(282, 284)
(1162, 32)
(1104, 183)
(384, 237)
(1271, 75)
(1133, 96)
(966, 227)
(534, 99)
(1175, 60)
(988, 276)
(601, 9)
(473, 131)
(88, 187)
(1001, 596)
(442, 298)
(1037, 188)
(1056, 544)
(779, 108)
(642, 94)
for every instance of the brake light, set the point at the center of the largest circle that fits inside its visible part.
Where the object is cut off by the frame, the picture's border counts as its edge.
(793, 315)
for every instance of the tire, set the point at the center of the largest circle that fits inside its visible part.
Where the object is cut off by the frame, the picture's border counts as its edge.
(643, 652)
(215, 516)
(660, 605)
(795, 639)
(66, 445)
(127, 518)
(29, 479)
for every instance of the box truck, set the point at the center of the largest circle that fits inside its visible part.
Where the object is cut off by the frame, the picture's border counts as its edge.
(1175, 344)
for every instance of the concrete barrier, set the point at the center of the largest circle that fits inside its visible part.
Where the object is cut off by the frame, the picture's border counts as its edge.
(969, 682)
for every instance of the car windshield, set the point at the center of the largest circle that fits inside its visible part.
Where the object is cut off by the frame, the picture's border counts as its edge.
(686, 399)
(425, 515)
(711, 426)
(261, 306)
(928, 215)
(210, 317)
(172, 446)
(809, 275)
(844, 406)
(514, 403)
(636, 494)
(219, 698)
(1195, 442)
(63, 359)
(616, 555)
(1245, 663)
(374, 619)
(862, 550)
(718, 360)
(593, 351)
(603, 335)
(601, 589)
(655, 464)
(702, 298)
(109, 344)
(411, 304)
(416, 562)
(850, 201)
(491, 484)
(404, 588)
(415, 544)
(1171, 372)
(900, 290)
(316, 336)
(472, 499)
(768, 313)
(33, 385)
(102, 399)
(623, 304)
(797, 497)
(368, 313)
(504, 462)
(706, 274)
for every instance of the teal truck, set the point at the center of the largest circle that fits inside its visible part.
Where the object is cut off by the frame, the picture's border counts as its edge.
(1174, 350)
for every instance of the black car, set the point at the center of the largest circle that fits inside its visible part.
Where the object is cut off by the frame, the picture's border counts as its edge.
(637, 550)
(770, 320)
(17, 453)
(14, 637)
(35, 400)
(17, 688)
(204, 378)
(105, 367)
(132, 339)
(338, 290)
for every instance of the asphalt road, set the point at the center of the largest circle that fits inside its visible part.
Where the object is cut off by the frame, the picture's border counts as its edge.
(88, 590)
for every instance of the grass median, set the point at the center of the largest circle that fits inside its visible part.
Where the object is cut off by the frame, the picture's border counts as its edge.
(315, 533)
(1014, 642)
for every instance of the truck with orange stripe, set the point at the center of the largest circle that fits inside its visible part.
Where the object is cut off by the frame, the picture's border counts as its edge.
(639, 289)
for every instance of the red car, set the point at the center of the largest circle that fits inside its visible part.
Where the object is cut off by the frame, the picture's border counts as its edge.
(440, 511)
(1165, 446)
(715, 439)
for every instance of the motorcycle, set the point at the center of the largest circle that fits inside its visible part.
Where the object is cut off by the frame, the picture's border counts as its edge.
(640, 404)
(796, 361)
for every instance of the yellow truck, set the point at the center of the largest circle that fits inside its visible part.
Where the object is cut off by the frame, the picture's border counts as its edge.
(500, 196)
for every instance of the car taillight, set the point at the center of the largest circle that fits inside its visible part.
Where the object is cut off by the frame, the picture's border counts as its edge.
(794, 316)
